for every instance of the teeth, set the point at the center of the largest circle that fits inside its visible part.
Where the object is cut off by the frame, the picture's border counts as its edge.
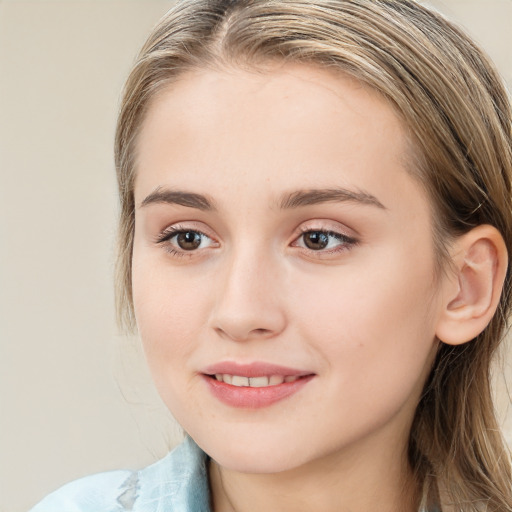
(258, 382)
(254, 382)
(276, 379)
(240, 381)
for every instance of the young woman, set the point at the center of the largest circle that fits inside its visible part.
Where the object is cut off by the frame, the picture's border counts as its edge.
(315, 228)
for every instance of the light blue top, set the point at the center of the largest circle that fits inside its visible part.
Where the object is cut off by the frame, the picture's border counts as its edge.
(177, 483)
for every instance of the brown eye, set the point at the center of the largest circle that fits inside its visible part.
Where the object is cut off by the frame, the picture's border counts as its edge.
(181, 241)
(188, 240)
(316, 240)
(324, 242)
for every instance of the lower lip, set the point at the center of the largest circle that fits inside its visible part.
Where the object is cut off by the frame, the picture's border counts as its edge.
(254, 398)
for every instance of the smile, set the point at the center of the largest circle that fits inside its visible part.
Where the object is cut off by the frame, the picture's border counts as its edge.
(255, 382)
(254, 385)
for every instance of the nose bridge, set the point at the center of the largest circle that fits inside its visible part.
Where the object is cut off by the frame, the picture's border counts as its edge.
(247, 302)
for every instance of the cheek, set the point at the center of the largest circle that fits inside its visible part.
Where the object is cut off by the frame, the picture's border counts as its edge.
(169, 311)
(375, 326)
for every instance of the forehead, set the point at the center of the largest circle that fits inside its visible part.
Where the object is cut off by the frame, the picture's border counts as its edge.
(287, 126)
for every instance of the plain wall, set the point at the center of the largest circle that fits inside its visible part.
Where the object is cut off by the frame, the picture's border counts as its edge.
(75, 397)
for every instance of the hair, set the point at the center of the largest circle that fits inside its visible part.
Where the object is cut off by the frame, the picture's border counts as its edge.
(459, 120)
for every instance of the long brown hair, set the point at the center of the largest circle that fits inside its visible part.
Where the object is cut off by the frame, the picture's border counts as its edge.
(459, 118)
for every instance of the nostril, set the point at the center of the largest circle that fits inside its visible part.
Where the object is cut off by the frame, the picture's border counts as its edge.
(260, 331)
(243, 322)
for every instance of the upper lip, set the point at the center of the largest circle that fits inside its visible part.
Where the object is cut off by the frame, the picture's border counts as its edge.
(255, 369)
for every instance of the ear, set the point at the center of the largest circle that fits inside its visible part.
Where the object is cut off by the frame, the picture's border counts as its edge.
(473, 286)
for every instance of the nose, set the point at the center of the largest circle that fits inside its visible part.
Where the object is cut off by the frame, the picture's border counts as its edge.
(248, 303)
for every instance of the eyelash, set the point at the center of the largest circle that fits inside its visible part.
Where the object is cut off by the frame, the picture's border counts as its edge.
(345, 242)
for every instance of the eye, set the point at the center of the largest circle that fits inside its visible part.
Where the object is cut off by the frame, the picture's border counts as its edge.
(178, 240)
(188, 240)
(326, 241)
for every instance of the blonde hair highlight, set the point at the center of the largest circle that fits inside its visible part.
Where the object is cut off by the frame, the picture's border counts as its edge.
(459, 118)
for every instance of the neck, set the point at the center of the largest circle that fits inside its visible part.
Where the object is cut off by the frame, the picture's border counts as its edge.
(337, 483)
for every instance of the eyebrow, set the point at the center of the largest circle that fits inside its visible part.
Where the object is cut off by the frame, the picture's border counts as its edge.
(296, 199)
(189, 199)
(318, 196)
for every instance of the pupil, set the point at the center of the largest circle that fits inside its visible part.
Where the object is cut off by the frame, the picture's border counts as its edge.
(189, 240)
(316, 240)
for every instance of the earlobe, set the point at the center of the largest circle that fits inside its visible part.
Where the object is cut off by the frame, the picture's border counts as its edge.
(474, 288)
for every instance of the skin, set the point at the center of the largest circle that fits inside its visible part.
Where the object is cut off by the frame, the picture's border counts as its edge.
(361, 314)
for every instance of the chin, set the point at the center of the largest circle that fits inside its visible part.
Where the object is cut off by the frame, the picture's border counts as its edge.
(263, 462)
(255, 455)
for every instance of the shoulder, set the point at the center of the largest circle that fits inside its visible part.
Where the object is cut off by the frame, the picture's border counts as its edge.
(179, 482)
(100, 492)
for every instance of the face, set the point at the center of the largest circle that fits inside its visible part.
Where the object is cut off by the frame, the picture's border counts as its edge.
(283, 266)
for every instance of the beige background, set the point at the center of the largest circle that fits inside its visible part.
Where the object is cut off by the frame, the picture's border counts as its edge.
(74, 397)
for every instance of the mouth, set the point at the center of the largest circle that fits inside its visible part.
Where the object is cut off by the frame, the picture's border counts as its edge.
(255, 385)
